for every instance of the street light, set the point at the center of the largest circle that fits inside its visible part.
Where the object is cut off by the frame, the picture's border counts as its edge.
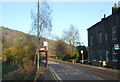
(82, 57)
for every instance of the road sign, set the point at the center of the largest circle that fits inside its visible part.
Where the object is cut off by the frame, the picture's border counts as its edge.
(81, 51)
(45, 43)
(116, 46)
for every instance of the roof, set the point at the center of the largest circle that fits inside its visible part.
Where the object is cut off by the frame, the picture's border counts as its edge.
(118, 7)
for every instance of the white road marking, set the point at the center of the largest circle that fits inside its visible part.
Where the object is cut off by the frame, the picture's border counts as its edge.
(97, 77)
(87, 75)
(58, 71)
(66, 73)
(70, 73)
(55, 73)
(75, 73)
(68, 66)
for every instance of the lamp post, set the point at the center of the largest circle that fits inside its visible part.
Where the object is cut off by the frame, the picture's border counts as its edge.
(82, 57)
(38, 44)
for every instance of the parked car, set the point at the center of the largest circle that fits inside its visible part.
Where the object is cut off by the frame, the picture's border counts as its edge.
(85, 61)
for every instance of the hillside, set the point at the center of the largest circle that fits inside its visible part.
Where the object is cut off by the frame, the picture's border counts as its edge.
(9, 36)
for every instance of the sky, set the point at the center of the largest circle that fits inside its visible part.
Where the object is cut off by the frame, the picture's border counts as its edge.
(17, 16)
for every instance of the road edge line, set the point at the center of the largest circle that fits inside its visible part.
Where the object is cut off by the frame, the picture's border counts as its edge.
(55, 74)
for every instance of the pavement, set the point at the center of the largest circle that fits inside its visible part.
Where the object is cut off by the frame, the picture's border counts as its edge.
(47, 74)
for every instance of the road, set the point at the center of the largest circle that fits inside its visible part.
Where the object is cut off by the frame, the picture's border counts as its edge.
(69, 71)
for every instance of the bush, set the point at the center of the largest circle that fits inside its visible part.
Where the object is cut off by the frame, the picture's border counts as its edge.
(6, 67)
(67, 57)
(60, 57)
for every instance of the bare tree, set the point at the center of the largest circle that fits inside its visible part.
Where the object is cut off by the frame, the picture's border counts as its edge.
(41, 17)
(41, 23)
(71, 35)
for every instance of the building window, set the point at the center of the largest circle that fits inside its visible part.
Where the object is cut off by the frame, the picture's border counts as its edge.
(92, 54)
(91, 40)
(106, 55)
(100, 37)
(95, 54)
(114, 55)
(114, 33)
(106, 37)
(100, 55)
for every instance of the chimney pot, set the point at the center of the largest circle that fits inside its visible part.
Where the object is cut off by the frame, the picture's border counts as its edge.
(104, 15)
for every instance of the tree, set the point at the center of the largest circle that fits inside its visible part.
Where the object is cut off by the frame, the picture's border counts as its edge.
(75, 54)
(41, 23)
(20, 49)
(71, 36)
(61, 48)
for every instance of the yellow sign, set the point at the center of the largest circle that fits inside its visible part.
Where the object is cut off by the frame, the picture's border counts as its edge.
(104, 63)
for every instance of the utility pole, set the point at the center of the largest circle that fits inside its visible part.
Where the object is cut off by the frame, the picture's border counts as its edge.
(38, 42)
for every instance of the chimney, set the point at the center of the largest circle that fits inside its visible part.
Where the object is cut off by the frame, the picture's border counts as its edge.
(103, 18)
(104, 15)
(119, 3)
(114, 8)
(115, 5)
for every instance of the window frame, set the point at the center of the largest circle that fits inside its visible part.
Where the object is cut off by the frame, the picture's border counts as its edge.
(91, 40)
(100, 55)
(113, 55)
(114, 36)
(106, 37)
(100, 37)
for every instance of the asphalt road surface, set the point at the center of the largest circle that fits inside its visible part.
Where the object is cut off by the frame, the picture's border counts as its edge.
(69, 71)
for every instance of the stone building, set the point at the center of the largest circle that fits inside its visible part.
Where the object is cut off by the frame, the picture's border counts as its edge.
(104, 40)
